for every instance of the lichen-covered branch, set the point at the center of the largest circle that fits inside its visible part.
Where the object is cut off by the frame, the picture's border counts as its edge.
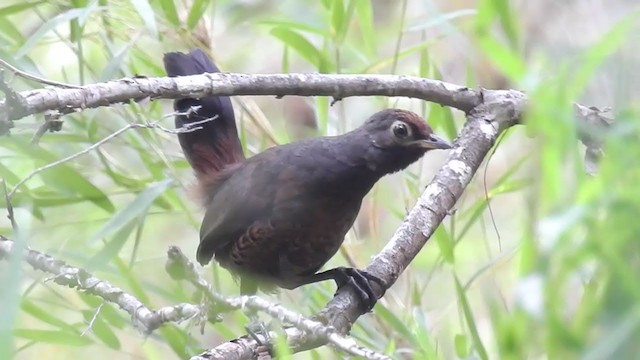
(488, 112)
(300, 327)
(147, 320)
(143, 318)
(66, 100)
(592, 128)
(499, 111)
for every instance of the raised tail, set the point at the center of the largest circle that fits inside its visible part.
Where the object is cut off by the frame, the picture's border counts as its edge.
(217, 145)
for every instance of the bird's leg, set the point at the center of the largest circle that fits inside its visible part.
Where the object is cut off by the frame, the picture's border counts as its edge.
(255, 327)
(359, 279)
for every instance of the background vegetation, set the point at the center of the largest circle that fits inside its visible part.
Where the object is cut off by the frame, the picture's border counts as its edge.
(549, 272)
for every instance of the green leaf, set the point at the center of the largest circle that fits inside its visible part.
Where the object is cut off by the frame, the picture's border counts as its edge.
(287, 24)
(146, 13)
(61, 178)
(12, 35)
(46, 316)
(132, 211)
(596, 54)
(177, 339)
(52, 24)
(340, 20)
(170, 12)
(111, 249)
(381, 63)
(392, 320)
(441, 117)
(282, 350)
(471, 324)
(115, 64)
(101, 329)
(134, 283)
(20, 7)
(442, 19)
(70, 182)
(7, 175)
(445, 244)
(195, 13)
(508, 21)
(107, 312)
(57, 337)
(423, 335)
(364, 13)
(303, 47)
(505, 59)
(461, 345)
(474, 211)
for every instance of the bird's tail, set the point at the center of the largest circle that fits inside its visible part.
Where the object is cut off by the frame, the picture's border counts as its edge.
(216, 145)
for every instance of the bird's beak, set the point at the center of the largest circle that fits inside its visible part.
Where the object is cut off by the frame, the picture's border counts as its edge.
(433, 142)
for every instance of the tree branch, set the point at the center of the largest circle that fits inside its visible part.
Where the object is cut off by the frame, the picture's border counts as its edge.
(67, 100)
(147, 320)
(489, 113)
(499, 111)
(190, 127)
(592, 129)
(180, 267)
(144, 319)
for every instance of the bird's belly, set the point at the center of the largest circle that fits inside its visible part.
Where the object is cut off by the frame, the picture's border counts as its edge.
(289, 248)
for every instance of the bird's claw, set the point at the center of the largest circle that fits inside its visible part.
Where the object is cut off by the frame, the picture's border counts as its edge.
(361, 282)
(260, 333)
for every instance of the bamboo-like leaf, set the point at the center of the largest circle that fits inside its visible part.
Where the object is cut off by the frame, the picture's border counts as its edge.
(196, 12)
(132, 211)
(471, 324)
(46, 316)
(168, 7)
(20, 7)
(111, 248)
(364, 13)
(102, 330)
(57, 337)
(303, 47)
(52, 23)
(146, 13)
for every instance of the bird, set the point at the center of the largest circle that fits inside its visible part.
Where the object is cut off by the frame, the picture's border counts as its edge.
(274, 219)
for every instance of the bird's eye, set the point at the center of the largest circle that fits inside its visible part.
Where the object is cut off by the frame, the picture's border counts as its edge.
(400, 130)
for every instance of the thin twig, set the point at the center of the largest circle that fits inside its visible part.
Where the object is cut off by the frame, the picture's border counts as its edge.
(10, 215)
(93, 320)
(181, 265)
(51, 123)
(28, 76)
(486, 191)
(187, 128)
(143, 318)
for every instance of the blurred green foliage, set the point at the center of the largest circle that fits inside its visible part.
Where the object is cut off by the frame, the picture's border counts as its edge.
(549, 272)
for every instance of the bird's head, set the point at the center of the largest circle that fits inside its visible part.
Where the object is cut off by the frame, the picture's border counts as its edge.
(399, 138)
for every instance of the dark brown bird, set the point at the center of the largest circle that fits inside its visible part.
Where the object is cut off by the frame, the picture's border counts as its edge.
(279, 216)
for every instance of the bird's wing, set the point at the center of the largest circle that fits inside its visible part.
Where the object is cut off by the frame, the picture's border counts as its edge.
(245, 197)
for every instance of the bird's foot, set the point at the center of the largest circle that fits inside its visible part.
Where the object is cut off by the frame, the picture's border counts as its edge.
(260, 333)
(361, 282)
